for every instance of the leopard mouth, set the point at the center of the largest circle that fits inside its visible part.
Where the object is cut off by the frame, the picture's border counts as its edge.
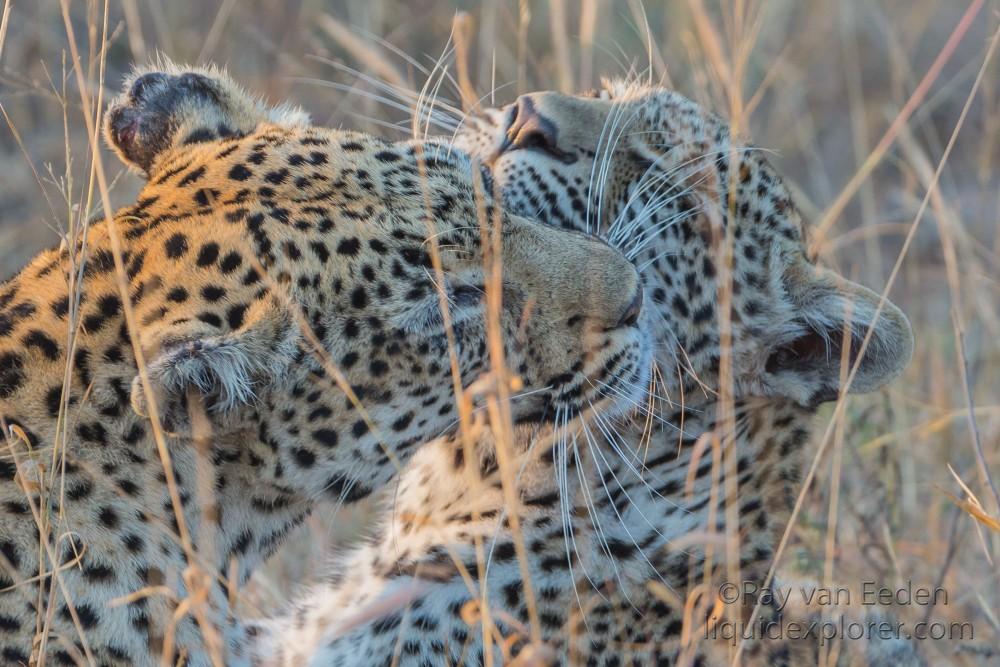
(615, 386)
(618, 395)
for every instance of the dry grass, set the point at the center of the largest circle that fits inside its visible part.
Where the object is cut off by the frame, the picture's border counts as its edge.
(884, 117)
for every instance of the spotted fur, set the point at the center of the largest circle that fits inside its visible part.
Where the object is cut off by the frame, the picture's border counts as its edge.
(283, 298)
(621, 519)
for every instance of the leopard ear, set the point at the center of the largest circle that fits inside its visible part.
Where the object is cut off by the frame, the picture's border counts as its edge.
(228, 373)
(804, 361)
(166, 107)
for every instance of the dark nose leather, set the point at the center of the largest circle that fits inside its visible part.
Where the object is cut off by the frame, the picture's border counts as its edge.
(630, 316)
(530, 129)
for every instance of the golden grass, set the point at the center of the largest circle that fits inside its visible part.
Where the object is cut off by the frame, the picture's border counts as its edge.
(909, 476)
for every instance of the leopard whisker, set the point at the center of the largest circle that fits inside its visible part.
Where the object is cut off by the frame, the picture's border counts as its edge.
(607, 162)
(588, 502)
(651, 208)
(446, 73)
(652, 260)
(597, 450)
(471, 115)
(493, 92)
(668, 177)
(637, 405)
(646, 183)
(339, 504)
(444, 123)
(616, 109)
(481, 408)
(436, 90)
(439, 288)
(639, 243)
(403, 94)
(561, 465)
(661, 183)
(650, 393)
(400, 126)
(630, 244)
(428, 84)
(392, 47)
(643, 479)
(687, 366)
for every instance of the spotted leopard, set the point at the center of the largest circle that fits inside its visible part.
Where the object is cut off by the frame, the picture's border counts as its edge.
(276, 284)
(621, 519)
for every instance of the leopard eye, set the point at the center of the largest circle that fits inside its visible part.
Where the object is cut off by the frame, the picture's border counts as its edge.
(465, 295)
(464, 303)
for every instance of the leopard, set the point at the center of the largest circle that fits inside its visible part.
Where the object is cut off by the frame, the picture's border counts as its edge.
(283, 316)
(622, 549)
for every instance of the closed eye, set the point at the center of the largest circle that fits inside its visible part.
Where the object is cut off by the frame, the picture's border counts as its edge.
(464, 301)
(465, 294)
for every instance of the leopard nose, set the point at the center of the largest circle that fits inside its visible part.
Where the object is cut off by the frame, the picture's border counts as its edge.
(529, 128)
(573, 274)
(630, 316)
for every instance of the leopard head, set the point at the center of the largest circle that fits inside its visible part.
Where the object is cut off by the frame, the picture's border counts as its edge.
(706, 220)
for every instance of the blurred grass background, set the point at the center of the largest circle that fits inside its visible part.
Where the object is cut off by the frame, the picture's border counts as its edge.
(825, 80)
